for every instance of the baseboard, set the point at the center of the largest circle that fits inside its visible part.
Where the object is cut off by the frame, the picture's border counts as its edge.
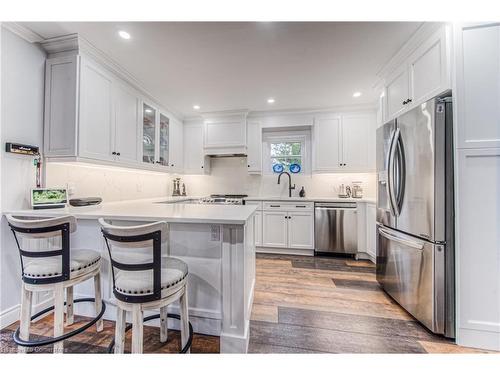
(11, 315)
(472, 338)
(366, 256)
(284, 251)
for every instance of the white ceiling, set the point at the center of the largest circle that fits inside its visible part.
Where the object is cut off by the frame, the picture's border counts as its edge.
(238, 65)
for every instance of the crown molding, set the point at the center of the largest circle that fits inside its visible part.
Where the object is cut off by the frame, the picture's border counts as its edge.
(23, 32)
(425, 30)
(75, 43)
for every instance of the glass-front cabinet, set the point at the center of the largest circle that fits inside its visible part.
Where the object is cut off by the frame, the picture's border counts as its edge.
(164, 139)
(148, 134)
(155, 136)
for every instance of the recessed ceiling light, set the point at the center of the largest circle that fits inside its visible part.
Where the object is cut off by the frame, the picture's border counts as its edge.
(196, 107)
(357, 94)
(124, 34)
(270, 100)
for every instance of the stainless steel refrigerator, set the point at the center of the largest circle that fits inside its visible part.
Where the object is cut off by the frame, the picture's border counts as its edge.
(415, 251)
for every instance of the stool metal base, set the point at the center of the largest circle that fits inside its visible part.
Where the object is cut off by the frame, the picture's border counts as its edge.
(53, 340)
(157, 316)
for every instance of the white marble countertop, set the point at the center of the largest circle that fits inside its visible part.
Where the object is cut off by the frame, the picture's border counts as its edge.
(312, 199)
(152, 210)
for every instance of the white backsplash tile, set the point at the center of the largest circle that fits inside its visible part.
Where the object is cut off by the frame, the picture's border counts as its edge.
(228, 176)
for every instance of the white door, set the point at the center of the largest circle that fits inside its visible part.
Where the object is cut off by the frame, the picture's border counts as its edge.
(126, 130)
(176, 145)
(358, 135)
(428, 69)
(478, 88)
(397, 92)
(254, 147)
(258, 228)
(194, 161)
(327, 144)
(300, 230)
(96, 106)
(274, 229)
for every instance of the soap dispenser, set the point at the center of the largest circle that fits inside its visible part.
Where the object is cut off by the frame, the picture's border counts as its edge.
(302, 192)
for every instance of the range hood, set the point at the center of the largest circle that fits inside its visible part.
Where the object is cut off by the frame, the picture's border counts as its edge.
(225, 134)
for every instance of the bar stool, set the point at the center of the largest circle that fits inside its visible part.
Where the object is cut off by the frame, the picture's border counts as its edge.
(143, 279)
(49, 264)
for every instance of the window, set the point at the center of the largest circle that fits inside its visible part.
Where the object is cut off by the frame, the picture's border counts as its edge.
(285, 148)
(286, 154)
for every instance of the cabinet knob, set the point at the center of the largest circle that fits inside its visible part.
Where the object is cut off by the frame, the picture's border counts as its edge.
(113, 153)
(404, 102)
(171, 165)
(408, 101)
(118, 154)
(248, 165)
(202, 166)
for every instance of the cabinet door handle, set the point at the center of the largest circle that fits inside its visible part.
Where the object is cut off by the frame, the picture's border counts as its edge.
(408, 101)
(405, 101)
(113, 153)
(118, 154)
(275, 205)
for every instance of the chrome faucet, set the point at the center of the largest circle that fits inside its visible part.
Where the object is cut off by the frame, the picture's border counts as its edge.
(290, 187)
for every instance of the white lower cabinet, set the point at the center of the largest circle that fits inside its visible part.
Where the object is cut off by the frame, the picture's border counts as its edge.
(274, 229)
(258, 228)
(288, 229)
(371, 228)
(300, 230)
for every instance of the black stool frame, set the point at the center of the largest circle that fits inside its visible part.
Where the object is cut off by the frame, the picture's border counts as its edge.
(155, 265)
(63, 252)
(65, 275)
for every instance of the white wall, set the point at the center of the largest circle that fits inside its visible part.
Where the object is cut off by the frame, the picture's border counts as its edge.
(22, 99)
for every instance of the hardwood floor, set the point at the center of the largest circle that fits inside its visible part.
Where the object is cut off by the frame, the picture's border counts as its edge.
(301, 305)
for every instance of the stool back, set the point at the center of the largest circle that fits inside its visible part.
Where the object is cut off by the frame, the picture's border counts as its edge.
(135, 251)
(44, 247)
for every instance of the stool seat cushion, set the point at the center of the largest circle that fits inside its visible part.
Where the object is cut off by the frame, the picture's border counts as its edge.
(173, 272)
(82, 261)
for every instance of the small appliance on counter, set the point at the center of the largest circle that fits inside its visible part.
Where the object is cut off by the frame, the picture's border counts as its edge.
(357, 190)
(80, 202)
(42, 198)
(344, 191)
(177, 187)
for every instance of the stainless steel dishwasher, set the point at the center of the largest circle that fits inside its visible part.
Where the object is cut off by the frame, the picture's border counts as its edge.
(336, 228)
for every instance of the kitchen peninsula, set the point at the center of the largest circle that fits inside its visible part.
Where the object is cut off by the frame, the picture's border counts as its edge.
(216, 242)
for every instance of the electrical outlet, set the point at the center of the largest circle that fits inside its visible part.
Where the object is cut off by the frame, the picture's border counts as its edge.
(215, 233)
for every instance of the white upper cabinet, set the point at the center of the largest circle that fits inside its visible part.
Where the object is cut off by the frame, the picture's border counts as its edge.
(176, 146)
(96, 108)
(93, 115)
(423, 74)
(397, 92)
(61, 106)
(195, 161)
(254, 148)
(428, 67)
(478, 88)
(126, 134)
(327, 144)
(358, 135)
(225, 133)
(344, 143)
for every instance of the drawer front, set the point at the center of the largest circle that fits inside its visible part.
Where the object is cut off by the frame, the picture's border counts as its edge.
(255, 203)
(288, 206)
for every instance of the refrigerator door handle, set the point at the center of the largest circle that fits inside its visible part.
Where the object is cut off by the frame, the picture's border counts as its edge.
(401, 172)
(390, 173)
(393, 236)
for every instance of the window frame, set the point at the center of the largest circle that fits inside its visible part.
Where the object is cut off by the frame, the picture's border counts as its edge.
(298, 136)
